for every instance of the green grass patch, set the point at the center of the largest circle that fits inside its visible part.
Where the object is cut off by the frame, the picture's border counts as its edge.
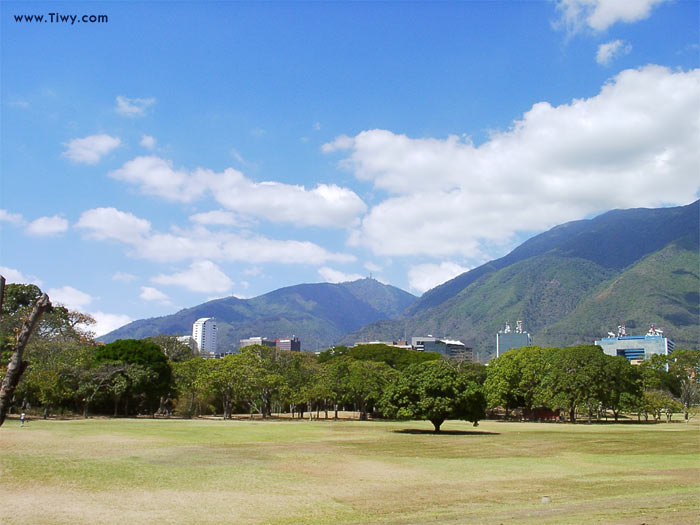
(213, 471)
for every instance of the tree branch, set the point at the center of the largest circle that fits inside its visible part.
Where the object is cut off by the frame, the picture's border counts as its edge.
(16, 366)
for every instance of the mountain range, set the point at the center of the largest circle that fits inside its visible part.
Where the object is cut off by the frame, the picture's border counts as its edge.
(569, 285)
(318, 314)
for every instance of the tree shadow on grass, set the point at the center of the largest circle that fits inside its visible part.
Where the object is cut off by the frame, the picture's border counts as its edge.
(419, 431)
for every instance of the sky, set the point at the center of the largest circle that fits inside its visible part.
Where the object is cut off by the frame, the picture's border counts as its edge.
(177, 152)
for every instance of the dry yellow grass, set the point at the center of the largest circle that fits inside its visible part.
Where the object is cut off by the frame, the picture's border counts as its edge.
(174, 471)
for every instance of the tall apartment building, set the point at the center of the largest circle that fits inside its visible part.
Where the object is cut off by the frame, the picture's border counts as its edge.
(204, 335)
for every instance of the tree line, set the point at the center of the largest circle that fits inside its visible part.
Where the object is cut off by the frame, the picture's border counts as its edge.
(67, 370)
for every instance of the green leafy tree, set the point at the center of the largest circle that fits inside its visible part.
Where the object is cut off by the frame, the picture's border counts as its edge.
(622, 383)
(175, 350)
(684, 368)
(146, 387)
(435, 391)
(502, 384)
(575, 377)
(366, 382)
(185, 374)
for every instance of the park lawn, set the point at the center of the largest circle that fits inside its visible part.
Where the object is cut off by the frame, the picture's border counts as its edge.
(281, 471)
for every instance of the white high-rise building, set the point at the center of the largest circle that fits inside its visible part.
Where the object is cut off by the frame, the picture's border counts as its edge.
(204, 334)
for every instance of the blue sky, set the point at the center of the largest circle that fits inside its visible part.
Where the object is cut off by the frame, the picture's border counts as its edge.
(184, 151)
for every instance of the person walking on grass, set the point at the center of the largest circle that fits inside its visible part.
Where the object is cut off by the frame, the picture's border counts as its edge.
(21, 418)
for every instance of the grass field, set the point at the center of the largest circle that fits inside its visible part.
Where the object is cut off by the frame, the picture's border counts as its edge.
(209, 471)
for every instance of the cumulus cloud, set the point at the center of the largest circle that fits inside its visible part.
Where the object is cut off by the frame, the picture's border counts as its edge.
(202, 276)
(630, 145)
(199, 242)
(110, 223)
(325, 205)
(12, 218)
(614, 49)
(156, 176)
(133, 107)
(89, 150)
(330, 275)
(599, 15)
(423, 277)
(105, 323)
(148, 293)
(12, 275)
(148, 142)
(47, 226)
(69, 297)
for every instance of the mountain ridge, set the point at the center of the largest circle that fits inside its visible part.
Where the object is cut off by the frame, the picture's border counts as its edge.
(317, 313)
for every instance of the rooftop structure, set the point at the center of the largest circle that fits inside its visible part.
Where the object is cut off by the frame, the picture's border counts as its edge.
(456, 350)
(507, 339)
(396, 344)
(636, 348)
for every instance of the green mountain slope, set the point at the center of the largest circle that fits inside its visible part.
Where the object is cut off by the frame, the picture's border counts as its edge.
(571, 285)
(319, 314)
(661, 289)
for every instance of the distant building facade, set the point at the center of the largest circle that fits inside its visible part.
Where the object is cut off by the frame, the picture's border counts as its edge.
(204, 335)
(262, 341)
(292, 344)
(636, 348)
(189, 341)
(396, 344)
(456, 350)
(507, 339)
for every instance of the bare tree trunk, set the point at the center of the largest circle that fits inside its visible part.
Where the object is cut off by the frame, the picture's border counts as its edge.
(16, 366)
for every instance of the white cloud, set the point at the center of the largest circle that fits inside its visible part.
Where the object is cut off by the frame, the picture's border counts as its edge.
(12, 218)
(343, 142)
(105, 323)
(614, 49)
(15, 276)
(124, 277)
(46, 226)
(110, 223)
(198, 242)
(325, 205)
(599, 15)
(69, 297)
(632, 145)
(133, 107)
(202, 276)
(148, 142)
(156, 176)
(89, 150)
(330, 275)
(423, 277)
(215, 217)
(148, 293)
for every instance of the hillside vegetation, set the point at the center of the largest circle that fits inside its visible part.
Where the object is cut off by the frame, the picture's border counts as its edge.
(571, 285)
(318, 314)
